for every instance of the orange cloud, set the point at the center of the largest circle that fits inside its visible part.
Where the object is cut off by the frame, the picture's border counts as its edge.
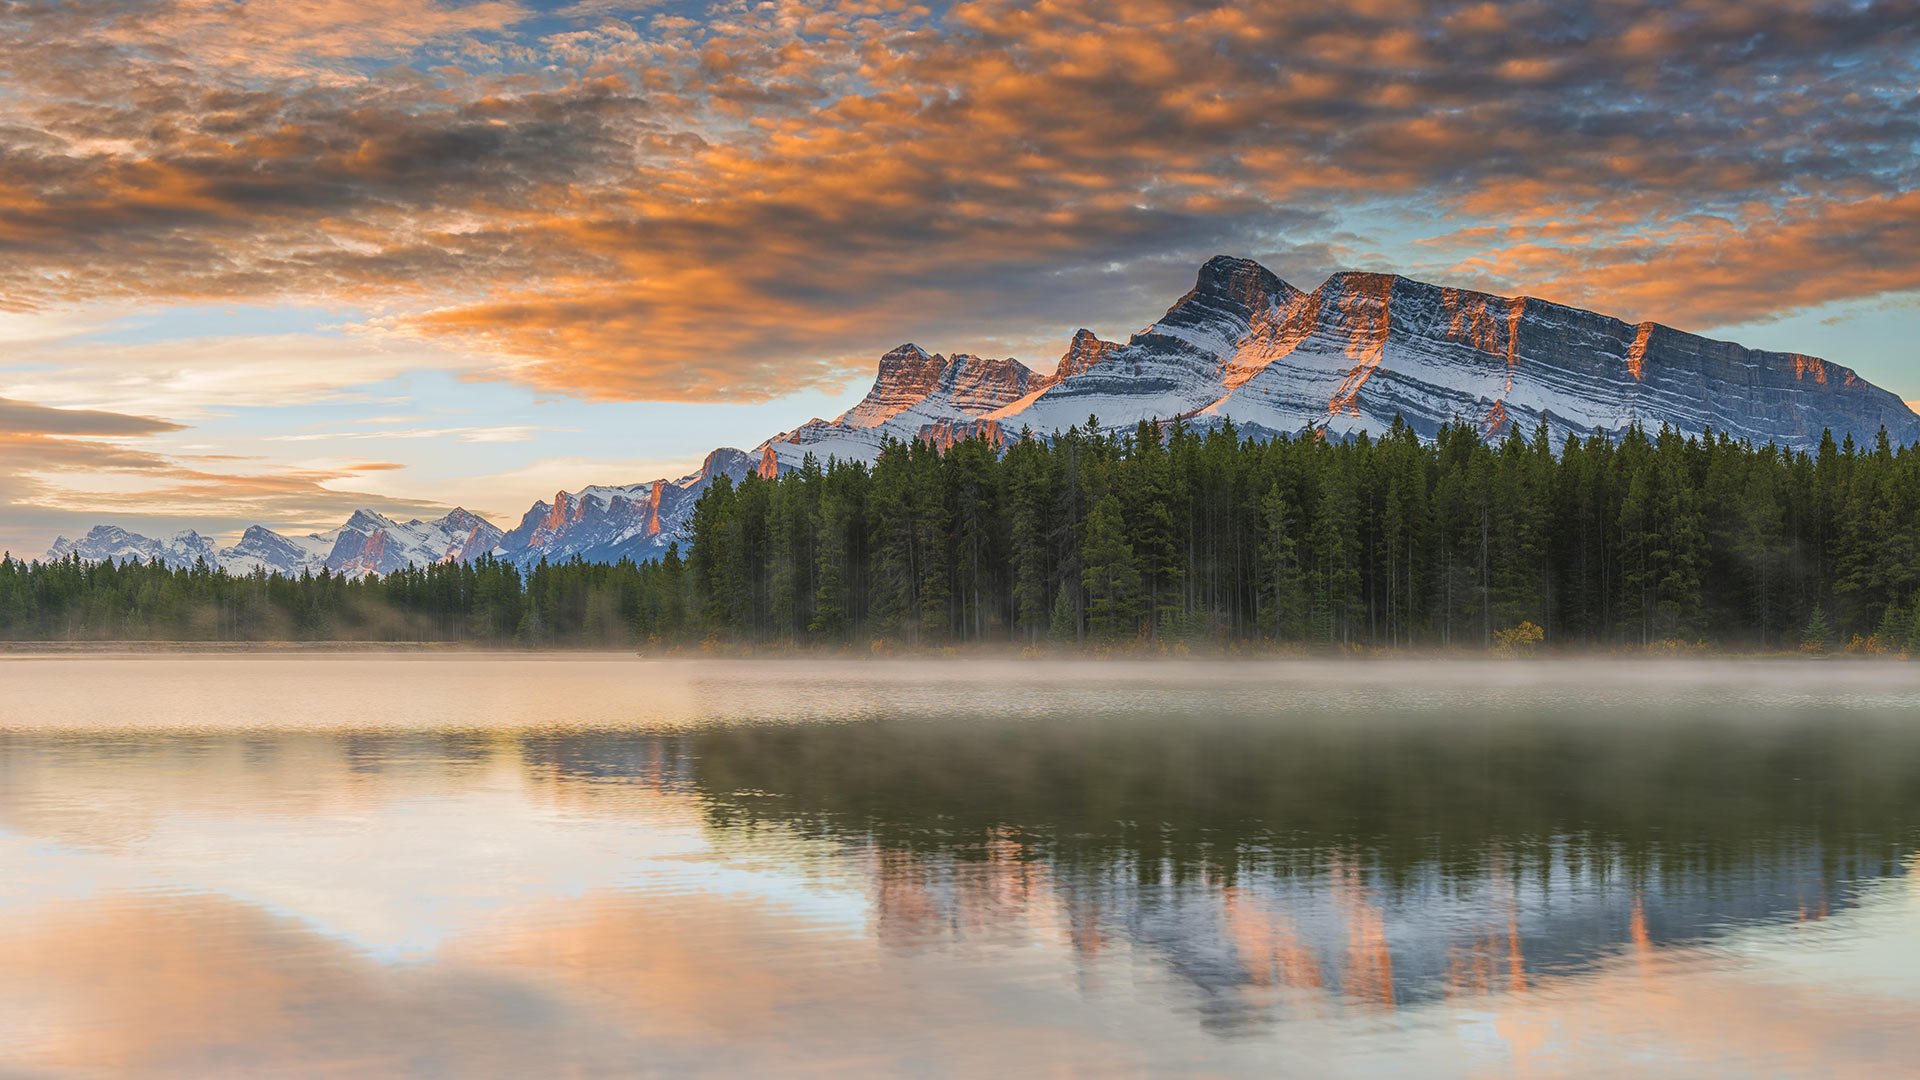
(656, 206)
(1707, 272)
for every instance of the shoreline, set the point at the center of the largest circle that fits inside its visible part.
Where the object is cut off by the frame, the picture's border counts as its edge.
(975, 653)
(98, 648)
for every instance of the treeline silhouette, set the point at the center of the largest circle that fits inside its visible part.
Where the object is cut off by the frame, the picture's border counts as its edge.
(1185, 535)
(485, 602)
(1169, 536)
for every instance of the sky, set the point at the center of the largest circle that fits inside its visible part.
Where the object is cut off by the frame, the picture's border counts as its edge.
(272, 261)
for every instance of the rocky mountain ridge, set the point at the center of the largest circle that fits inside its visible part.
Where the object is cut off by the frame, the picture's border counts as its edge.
(1363, 348)
(1242, 346)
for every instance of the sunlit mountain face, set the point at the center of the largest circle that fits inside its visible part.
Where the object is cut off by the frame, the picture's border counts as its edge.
(274, 263)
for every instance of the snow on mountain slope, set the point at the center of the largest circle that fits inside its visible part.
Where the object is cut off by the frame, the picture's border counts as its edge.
(110, 542)
(368, 542)
(260, 548)
(1244, 346)
(1187, 360)
(1364, 348)
(914, 393)
(1241, 345)
(372, 543)
(606, 524)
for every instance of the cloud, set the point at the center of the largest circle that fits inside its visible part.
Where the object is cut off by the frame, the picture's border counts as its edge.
(540, 478)
(53, 482)
(1712, 270)
(753, 202)
(494, 434)
(23, 418)
(192, 377)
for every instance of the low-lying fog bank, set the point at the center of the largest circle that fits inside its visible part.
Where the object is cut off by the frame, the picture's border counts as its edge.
(519, 689)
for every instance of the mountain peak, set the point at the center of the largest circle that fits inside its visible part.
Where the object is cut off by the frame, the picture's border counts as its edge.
(907, 375)
(1228, 294)
(1228, 268)
(461, 518)
(364, 519)
(1083, 352)
(732, 462)
(1241, 279)
(908, 353)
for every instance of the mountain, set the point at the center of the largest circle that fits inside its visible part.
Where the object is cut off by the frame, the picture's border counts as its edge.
(261, 548)
(1245, 346)
(1363, 348)
(915, 394)
(371, 543)
(1240, 346)
(367, 543)
(606, 524)
(110, 542)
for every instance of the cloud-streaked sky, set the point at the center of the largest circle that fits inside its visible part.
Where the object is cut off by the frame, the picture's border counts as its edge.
(299, 256)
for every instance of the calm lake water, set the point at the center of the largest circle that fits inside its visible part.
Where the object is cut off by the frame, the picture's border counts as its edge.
(565, 866)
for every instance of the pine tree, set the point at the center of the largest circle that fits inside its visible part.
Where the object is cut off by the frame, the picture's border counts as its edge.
(1063, 626)
(1280, 560)
(1110, 576)
(1030, 498)
(1817, 635)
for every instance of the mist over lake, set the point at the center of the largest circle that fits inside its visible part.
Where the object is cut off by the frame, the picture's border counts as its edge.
(556, 864)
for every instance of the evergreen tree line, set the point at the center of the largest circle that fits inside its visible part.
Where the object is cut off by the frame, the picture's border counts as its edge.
(1160, 537)
(1187, 535)
(485, 602)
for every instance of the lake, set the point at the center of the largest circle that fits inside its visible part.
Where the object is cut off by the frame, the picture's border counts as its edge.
(573, 865)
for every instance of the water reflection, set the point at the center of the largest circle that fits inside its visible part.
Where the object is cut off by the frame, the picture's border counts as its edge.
(1054, 875)
(1387, 859)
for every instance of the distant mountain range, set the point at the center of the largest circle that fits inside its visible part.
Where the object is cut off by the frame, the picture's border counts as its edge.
(599, 524)
(1242, 345)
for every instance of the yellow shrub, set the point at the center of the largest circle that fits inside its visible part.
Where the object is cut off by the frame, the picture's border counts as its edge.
(1518, 640)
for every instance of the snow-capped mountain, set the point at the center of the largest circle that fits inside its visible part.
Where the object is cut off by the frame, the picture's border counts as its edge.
(606, 524)
(260, 548)
(1364, 347)
(104, 542)
(371, 543)
(367, 543)
(1241, 345)
(915, 394)
(1347, 358)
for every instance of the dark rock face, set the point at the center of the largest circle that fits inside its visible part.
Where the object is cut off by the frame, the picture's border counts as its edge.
(1227, 292)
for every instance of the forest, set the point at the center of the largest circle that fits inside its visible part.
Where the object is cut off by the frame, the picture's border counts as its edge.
(1166, 537)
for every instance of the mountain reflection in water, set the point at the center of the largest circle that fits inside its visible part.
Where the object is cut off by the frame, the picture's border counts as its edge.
(1236, 870)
